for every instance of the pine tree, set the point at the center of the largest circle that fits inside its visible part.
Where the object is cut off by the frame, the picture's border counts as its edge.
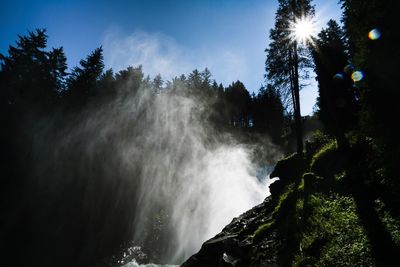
(286, 59)
(268, 112)
(30, 75)
(378, 58)
(157, 83)
(82, 83)
(239, 102)
(336, 102)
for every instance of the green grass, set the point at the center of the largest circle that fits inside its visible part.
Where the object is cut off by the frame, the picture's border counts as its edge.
(323, 153)
(282, 198)
(316, 215)
(392, 224)
(333, 234)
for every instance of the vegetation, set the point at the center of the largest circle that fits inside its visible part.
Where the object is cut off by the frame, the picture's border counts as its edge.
(350, 192)
(336, 205)
(323, 217)
(337, 104)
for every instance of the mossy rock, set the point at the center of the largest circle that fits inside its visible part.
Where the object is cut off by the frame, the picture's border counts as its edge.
(276, 188)
(289, 168)
(329, 160)
(262, 231)
(318, 140)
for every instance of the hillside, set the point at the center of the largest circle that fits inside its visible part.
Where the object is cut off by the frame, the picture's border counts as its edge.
(321, 213)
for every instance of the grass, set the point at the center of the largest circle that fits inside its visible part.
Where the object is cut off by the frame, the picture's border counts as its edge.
(282, 198)
(392, 224)
(325, 151)
(320, 214)
(332, 233)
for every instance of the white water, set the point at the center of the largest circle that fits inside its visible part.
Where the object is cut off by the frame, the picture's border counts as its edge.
(264, 182)
(135, 264)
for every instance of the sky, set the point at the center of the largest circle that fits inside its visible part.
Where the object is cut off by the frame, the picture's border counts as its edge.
(167, 37)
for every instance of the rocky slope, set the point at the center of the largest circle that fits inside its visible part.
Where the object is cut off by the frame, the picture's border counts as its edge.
(236, 245)
(252, 239)
(323, 211)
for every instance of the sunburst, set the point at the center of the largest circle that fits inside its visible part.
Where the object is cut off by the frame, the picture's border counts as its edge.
(303, 29)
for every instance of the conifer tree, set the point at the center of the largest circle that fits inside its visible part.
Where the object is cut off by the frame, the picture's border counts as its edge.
(336, 102)
(286, 59)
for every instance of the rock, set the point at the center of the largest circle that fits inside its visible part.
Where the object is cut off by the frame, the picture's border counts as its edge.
(287, 170)
(235, 246)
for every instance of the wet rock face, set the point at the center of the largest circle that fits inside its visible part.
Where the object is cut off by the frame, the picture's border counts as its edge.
(255, 238)
(236, 245)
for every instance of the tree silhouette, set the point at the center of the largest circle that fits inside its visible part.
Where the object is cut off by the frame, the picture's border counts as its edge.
(239, 101)
(285, 59)
(378, 59)
(336, 101)
(82, 82)
(30, 74)
(268, 112)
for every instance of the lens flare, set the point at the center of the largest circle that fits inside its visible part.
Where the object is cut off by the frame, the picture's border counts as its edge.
(357, 76)
(374, 34)
(338, 76)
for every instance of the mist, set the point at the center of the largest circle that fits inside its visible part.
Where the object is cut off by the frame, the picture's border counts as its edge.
(145, 166)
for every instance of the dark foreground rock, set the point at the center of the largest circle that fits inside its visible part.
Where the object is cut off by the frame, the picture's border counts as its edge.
(238, 244)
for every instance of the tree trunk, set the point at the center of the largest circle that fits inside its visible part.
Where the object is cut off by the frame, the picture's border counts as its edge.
(297, 113)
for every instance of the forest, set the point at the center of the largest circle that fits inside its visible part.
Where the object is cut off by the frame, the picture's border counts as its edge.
(79, 145)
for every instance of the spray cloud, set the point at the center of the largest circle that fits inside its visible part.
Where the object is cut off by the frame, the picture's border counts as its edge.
(146, 166)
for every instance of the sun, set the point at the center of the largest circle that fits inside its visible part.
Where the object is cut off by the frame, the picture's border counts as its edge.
(303, 29)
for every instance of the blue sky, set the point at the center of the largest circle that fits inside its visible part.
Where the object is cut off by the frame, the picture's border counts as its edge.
(169, 37)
